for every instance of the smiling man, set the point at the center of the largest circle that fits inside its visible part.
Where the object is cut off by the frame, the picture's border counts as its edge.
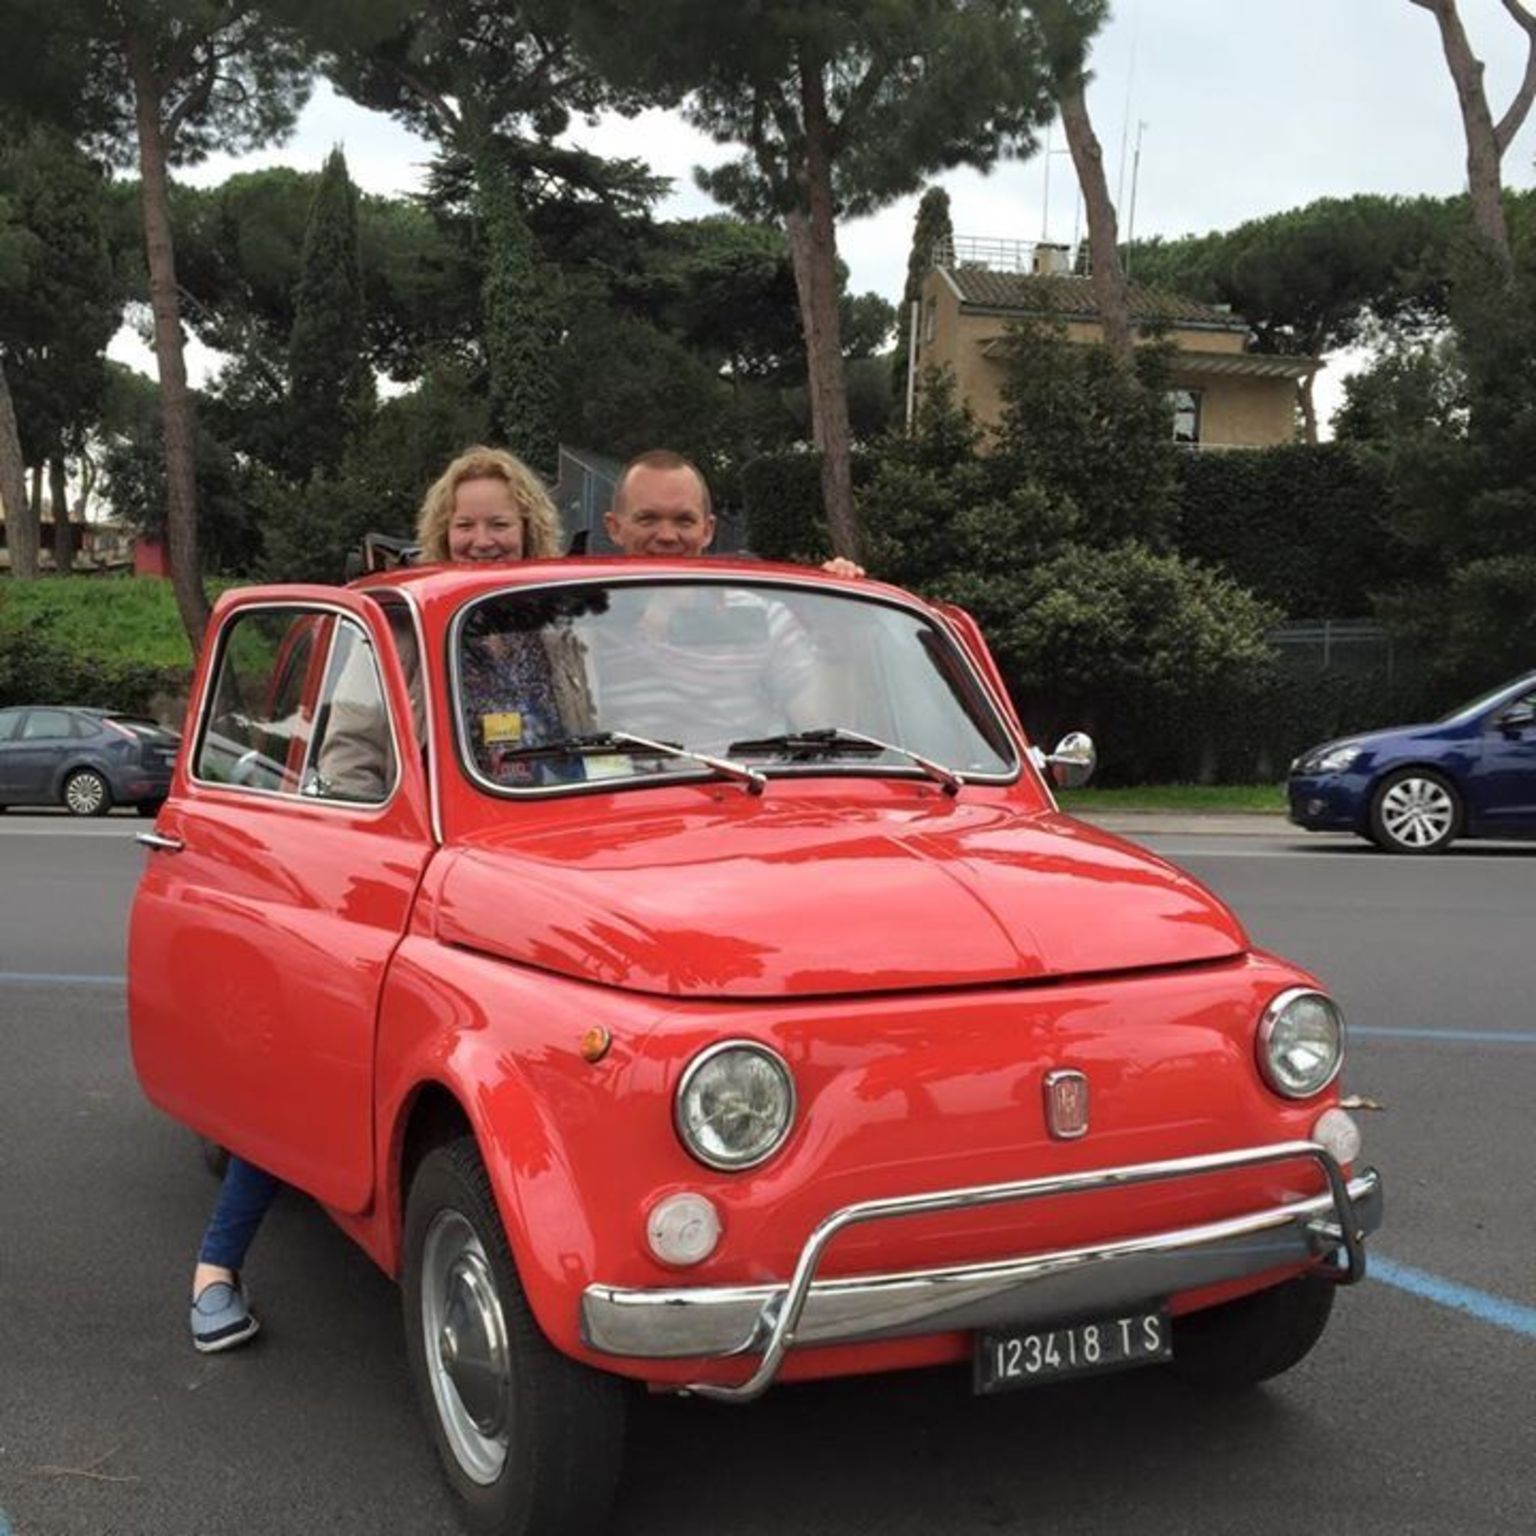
(661, 506)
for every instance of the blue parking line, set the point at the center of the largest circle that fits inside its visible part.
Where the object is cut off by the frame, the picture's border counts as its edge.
(57, 979)
(1483, 1305)
(1457, 1036)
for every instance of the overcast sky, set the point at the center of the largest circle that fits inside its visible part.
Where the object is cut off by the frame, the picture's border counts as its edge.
(1243, 108)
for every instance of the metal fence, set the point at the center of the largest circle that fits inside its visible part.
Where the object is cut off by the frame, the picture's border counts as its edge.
(583, 492)
(1356, 646)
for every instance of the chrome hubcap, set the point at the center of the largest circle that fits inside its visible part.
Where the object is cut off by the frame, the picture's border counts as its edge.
(1417, 813)
(84, 793)
(465, 1335)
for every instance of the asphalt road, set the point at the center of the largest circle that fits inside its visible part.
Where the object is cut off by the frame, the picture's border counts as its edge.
(1413, 1417)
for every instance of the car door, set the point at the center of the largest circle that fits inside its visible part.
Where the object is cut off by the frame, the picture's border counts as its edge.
(1504, 794)
(10, 724)
(282, 879)
(43, 740)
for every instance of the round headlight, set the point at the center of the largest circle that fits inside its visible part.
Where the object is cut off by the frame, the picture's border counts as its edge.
(735, 1105)
(1301, 1043)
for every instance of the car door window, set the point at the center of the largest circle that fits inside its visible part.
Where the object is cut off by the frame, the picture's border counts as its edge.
(10, 719)
(48, 725)
(259, 723)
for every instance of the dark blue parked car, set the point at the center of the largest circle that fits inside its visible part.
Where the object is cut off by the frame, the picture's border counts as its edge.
(87, 760)
(1416, 788)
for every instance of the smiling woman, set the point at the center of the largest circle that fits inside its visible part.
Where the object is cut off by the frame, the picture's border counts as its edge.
(488, 505)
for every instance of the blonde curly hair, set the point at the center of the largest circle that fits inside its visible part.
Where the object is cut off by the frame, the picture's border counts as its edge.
(541, 523)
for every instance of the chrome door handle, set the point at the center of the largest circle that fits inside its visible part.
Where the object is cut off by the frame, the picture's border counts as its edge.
(165, 844)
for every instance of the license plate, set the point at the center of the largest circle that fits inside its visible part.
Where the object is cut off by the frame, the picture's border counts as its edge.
(1007, 1360)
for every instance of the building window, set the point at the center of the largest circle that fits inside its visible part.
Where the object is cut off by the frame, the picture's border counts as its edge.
(1186, 415)
(930, 320)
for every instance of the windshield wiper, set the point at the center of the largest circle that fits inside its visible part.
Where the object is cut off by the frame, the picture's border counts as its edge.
(610, 741)
(840, 738)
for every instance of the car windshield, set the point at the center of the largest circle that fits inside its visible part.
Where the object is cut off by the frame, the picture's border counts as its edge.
(568, 685)
(1465, 712)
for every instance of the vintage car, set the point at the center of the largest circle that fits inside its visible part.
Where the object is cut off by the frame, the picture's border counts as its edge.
(680, 973)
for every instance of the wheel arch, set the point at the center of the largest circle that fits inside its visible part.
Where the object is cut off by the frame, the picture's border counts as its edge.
(61, 776)
(442, 1075)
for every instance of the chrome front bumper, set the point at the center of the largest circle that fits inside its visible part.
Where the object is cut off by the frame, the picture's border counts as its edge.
(723, 1321)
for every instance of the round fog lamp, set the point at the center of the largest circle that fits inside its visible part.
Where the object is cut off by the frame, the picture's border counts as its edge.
(1301, 1042)
(683, 1229)
(1337, 1133)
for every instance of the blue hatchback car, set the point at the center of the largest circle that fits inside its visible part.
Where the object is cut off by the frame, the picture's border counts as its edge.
(1417, 788)
(87, 760)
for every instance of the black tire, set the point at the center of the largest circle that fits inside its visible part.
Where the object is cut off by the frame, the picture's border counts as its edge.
(215, 1157)
(1249, 1340)
(1415, 810)
(538, 1445)
(87, 793)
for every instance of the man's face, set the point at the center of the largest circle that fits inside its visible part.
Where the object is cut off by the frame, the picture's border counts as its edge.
(661, 513)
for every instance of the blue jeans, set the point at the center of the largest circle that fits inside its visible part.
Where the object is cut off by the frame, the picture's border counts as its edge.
(243, 1200)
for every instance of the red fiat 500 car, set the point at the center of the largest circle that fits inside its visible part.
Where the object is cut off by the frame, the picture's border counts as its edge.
(680, 973)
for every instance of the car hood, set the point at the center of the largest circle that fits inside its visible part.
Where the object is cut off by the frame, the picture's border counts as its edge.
(757, 898)
(1384, 740)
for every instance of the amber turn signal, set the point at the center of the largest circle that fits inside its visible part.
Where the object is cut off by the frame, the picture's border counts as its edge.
(595, 1043)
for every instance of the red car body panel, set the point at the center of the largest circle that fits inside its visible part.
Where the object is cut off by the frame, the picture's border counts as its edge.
(300, 976)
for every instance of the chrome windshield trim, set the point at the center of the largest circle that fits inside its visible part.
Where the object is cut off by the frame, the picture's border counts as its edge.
(653, 779)
(769, 1318)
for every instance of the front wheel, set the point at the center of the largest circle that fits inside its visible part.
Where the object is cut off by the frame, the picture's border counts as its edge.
(1246, 1341)
(1415, 810)
(87, 793)
(531, 1441)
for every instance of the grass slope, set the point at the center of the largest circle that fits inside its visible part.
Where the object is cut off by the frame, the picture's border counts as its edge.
(124, 618)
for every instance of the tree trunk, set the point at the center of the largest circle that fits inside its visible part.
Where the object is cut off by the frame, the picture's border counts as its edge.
(21, 532)
(813, 247)
(1483, 154)
(1308, 405)
(63, 530)
(1109, 288)
(175, 398)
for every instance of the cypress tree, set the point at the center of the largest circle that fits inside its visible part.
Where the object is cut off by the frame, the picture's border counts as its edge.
(931, 229)
(330, 386)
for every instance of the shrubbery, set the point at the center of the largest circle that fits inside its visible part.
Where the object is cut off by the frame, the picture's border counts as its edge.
(1301, 526)
(35, 668)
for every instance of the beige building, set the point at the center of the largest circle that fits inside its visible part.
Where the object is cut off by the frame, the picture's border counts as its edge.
(1224, 396)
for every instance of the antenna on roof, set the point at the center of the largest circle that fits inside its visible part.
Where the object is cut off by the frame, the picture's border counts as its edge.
(1130, 234)
(1125, 116)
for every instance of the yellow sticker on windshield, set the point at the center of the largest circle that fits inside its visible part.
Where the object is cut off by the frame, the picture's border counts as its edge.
(507, 726)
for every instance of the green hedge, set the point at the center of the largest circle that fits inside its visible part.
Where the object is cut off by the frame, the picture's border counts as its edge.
(37, 668)
(1300, 525)
(781, 503)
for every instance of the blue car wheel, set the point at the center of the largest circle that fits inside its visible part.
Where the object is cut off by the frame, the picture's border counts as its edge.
(1415, 810)
(87, 793)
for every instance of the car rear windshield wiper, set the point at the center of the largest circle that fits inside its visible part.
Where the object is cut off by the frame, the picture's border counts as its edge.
(611, 741)
(837, 738)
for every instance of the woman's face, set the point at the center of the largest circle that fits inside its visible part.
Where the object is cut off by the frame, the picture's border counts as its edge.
(485, 524)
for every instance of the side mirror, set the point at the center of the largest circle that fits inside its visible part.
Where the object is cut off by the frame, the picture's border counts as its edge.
(1520, 718)
(1074, 760)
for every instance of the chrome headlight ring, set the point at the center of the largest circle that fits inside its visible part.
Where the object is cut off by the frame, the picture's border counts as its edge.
(1300, 1043)
(735, 1105)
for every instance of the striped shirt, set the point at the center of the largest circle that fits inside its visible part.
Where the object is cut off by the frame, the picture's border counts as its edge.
(698, 666)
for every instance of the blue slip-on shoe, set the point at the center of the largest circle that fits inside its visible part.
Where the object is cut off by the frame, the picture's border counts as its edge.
(220, 1317)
